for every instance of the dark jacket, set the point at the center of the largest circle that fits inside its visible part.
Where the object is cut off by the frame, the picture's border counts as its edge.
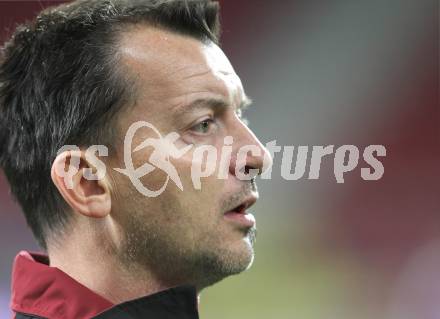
(41, 291)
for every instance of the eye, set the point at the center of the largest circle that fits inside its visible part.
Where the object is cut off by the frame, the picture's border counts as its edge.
(204, 127)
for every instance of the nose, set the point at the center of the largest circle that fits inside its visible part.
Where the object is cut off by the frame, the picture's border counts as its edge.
(250, 158)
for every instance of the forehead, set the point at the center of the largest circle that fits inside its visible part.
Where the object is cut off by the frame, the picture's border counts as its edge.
(170, 68)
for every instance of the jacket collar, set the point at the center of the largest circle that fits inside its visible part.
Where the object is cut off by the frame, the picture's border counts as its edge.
(41, 290)
(45, 291)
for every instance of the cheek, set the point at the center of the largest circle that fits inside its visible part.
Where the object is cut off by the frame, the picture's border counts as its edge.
(153, 180)
(200, 176)
(203, 204)
(200, 206)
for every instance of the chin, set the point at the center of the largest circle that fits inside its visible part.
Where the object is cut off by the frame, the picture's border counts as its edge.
(227, 262)
(249, 255)
(220, 258)
(241, 255)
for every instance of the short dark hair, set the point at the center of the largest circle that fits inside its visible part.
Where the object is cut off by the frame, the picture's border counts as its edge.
(60, 85)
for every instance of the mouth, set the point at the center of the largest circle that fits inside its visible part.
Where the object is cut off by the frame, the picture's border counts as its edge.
(239, 215)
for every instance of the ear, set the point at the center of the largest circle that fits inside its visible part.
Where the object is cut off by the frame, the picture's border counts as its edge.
(71, 175)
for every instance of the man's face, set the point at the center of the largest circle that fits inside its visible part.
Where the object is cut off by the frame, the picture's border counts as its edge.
(190, 88)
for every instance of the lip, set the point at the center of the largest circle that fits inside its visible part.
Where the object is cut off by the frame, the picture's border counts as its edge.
(239, 214)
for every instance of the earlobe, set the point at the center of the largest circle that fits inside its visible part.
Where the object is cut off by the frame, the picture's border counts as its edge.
(89, 197)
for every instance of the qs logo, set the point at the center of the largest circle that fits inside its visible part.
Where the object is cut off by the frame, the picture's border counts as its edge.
(208, 160)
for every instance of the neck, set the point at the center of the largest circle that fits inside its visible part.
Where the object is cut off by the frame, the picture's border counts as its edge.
(100, 269)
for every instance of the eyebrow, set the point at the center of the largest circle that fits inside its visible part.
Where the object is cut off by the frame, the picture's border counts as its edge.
(213, 103)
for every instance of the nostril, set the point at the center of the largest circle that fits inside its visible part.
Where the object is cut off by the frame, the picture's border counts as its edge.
(251, 171)
(247, 169)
